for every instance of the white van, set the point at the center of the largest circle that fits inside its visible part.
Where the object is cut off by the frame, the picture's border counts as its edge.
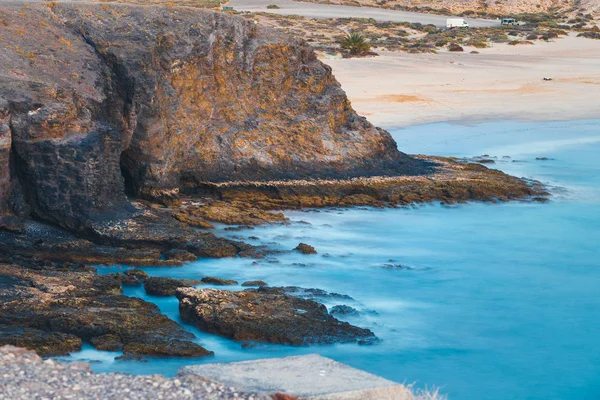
(456, 23)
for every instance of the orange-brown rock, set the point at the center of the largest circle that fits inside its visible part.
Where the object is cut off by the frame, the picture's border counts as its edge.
(96, 99)
(233, 213)
(451, 181)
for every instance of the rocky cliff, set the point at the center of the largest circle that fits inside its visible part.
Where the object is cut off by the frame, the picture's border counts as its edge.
(101, 100)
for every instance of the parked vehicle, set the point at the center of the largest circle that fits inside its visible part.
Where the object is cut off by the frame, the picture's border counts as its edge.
(508, 21)
(456, 23)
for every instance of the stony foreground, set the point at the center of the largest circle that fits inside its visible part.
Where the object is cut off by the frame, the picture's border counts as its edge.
(25, 376)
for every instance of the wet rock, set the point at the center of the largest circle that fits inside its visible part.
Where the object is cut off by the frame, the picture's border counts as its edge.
(305, 249)
(137, 273)
(86, 306)
(108, 342)
(44, 343)
(260, 317)
(130, 357)
(344, 311)
(211, 280)
(158, 286)
(180, 255)
(123, 279)
(543, 158)
(303, 292)
(395, 266)
(209, 245)
(175, 347)
(238, 228)
(255, 283)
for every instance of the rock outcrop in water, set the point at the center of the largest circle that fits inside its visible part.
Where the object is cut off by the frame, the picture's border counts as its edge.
(52, 311)
(255, 316)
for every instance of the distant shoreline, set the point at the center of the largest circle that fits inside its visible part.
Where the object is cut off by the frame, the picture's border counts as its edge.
(396, 90)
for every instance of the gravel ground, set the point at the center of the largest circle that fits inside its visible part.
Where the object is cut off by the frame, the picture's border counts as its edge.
(26, 376)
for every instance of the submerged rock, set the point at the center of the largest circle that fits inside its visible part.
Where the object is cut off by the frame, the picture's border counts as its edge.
(255, 283)
(260, 317)
(305, 249)
(344, 310)
(302, 292)
(211, 280)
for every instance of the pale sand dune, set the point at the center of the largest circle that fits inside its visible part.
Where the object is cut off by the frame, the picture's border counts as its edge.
(399, 89)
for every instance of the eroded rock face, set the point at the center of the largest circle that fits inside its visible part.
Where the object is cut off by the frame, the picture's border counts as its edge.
(108, 97)
(260, 317)
(55, 310)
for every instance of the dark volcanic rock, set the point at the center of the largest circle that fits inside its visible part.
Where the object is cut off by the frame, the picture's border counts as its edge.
(43, 342)
(180, 255)
(305, 249)
(312, 293)
(344, 311)
(84, 306)
(121, 279)
(211, 280)
(255, 283)
(108, 342)
(272, 318)
(137, 274)
(158, 286)
(175, 347)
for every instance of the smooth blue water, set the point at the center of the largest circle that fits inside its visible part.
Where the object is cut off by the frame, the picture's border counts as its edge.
(503, 300)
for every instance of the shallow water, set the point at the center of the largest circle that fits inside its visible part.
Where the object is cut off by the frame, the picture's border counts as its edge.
(500, 301)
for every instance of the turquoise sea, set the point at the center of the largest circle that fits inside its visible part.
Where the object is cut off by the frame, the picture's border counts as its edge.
(495, 301)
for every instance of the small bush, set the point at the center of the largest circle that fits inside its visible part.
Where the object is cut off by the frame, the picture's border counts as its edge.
(455, 47)
(355, 43)
(273, 7)
(549, 35)
(518, 42)
(479, 42)
(590, 35)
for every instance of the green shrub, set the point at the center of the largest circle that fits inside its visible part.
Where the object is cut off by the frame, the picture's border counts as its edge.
(355, 43)
(273, 7)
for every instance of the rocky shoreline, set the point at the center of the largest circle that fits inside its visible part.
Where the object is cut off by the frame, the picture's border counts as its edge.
(170, 120)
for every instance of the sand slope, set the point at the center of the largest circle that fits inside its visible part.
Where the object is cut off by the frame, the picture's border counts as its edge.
(399, 89)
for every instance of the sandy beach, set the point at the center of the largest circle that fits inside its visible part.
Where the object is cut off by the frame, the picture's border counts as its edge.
(501, 82)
